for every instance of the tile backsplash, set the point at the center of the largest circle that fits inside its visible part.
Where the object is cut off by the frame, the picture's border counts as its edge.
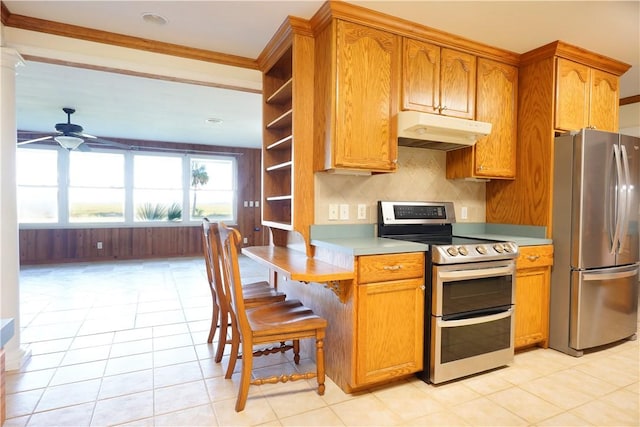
(420, 177)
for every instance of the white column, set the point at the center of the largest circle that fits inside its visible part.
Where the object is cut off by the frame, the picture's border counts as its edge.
(9, 252)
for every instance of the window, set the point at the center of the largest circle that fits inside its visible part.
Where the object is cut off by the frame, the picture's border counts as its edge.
(96, 187)
(157, 188)
(37, 177)
(56, 186)
(212, 189)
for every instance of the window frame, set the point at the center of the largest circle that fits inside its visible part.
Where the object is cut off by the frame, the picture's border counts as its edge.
(129, 213)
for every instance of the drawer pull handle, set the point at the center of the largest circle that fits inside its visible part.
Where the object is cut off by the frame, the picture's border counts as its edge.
(392, 267)
(533, 257)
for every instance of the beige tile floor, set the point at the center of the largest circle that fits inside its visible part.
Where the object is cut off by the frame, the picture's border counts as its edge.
(124, 343)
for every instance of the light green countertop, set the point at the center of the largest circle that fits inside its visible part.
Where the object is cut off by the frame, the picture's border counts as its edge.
(522, 235)
(369, 245)
(359, 239)
(6, 331)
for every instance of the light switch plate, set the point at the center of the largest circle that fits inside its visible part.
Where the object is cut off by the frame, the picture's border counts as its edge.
(344, 211)
(333, 212)
(362, 211)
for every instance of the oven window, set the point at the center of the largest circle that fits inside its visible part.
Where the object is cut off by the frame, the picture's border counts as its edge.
(476, 294)
(467, 341)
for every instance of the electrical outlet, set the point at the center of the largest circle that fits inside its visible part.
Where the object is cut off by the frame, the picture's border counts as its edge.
(362, 211)
(99, 245)
(344, 212)
(463, 212)
(333, 212)
(245, 240)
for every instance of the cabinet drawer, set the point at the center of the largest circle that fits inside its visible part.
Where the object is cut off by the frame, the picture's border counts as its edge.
(535, 256)
(382, 268)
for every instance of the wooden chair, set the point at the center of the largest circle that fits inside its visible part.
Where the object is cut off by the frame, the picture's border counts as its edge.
(267, 324)
(254, 293)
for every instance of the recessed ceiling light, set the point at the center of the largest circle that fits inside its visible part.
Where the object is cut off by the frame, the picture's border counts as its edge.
(214, 121)
(154, 18)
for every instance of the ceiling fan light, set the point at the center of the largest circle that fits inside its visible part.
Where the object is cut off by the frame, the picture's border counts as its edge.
(69, 142)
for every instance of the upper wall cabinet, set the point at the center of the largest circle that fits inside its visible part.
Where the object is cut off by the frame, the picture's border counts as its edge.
(493, 156)
(585, 97)
(357, 83)
(438, 80)
(560, 87)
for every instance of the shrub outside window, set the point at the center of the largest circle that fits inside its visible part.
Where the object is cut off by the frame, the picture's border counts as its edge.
(157, 188)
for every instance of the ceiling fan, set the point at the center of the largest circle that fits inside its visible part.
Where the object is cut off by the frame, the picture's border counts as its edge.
(71, 136)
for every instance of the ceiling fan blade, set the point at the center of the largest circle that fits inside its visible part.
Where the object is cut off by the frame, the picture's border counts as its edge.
(29, 141)
(83, 147)
(95, 139)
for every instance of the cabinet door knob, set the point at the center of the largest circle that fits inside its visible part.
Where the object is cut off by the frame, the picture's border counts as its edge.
(533, 257)
(392, 267)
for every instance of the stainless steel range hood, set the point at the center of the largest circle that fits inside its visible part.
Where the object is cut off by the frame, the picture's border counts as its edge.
(423, 130)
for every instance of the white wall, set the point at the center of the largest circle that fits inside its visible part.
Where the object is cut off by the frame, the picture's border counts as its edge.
(630, 119)
(420, 176)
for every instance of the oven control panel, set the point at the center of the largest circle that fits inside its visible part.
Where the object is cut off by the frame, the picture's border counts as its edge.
(474, 252)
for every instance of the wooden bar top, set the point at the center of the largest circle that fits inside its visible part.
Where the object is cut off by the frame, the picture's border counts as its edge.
(296, 265)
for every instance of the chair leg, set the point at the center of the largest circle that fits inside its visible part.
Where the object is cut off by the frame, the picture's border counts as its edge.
(245, 378)
(215, 315)
(296, 351)
(235, 348)
(222, 336)
(320, 361)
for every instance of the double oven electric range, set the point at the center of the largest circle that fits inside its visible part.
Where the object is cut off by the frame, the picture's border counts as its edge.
(470, 292)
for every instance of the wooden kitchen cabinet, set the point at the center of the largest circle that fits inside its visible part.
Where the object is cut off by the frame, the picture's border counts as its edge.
(526, 200)
(493, 156)
(390, 317)
(533, 279)
(287, 153)
(585, 97)
(438, 80)
(356, 98)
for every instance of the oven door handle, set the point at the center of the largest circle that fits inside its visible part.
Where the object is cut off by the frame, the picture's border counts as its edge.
(474, 320)
(475, 274)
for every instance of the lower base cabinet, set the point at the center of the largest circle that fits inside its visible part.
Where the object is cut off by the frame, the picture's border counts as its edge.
(375, 322)
(389, 316)
(533, 280)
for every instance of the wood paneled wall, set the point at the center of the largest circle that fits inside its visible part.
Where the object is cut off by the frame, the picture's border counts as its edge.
(58, 245)
(79, 244)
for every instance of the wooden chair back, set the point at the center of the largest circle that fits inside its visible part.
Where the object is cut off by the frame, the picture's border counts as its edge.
(229, 239)
(214, 283)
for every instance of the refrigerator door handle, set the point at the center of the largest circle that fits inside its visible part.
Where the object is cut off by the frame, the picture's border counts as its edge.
(624, 202)
(612, 205)
(609, 276)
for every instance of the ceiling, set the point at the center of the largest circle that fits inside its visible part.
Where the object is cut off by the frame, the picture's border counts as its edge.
(124, 106)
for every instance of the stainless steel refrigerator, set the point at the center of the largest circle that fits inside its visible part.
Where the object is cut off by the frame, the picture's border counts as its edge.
(594, 279)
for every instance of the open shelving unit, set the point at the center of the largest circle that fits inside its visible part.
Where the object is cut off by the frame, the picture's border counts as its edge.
(287, 151)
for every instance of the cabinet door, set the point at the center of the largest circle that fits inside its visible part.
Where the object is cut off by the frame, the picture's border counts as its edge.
(533, 277)
(604, 106)
(497, 103)
(368, 74)
(457, 84)
(572, 95)
(390, 319)
(420, 76)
